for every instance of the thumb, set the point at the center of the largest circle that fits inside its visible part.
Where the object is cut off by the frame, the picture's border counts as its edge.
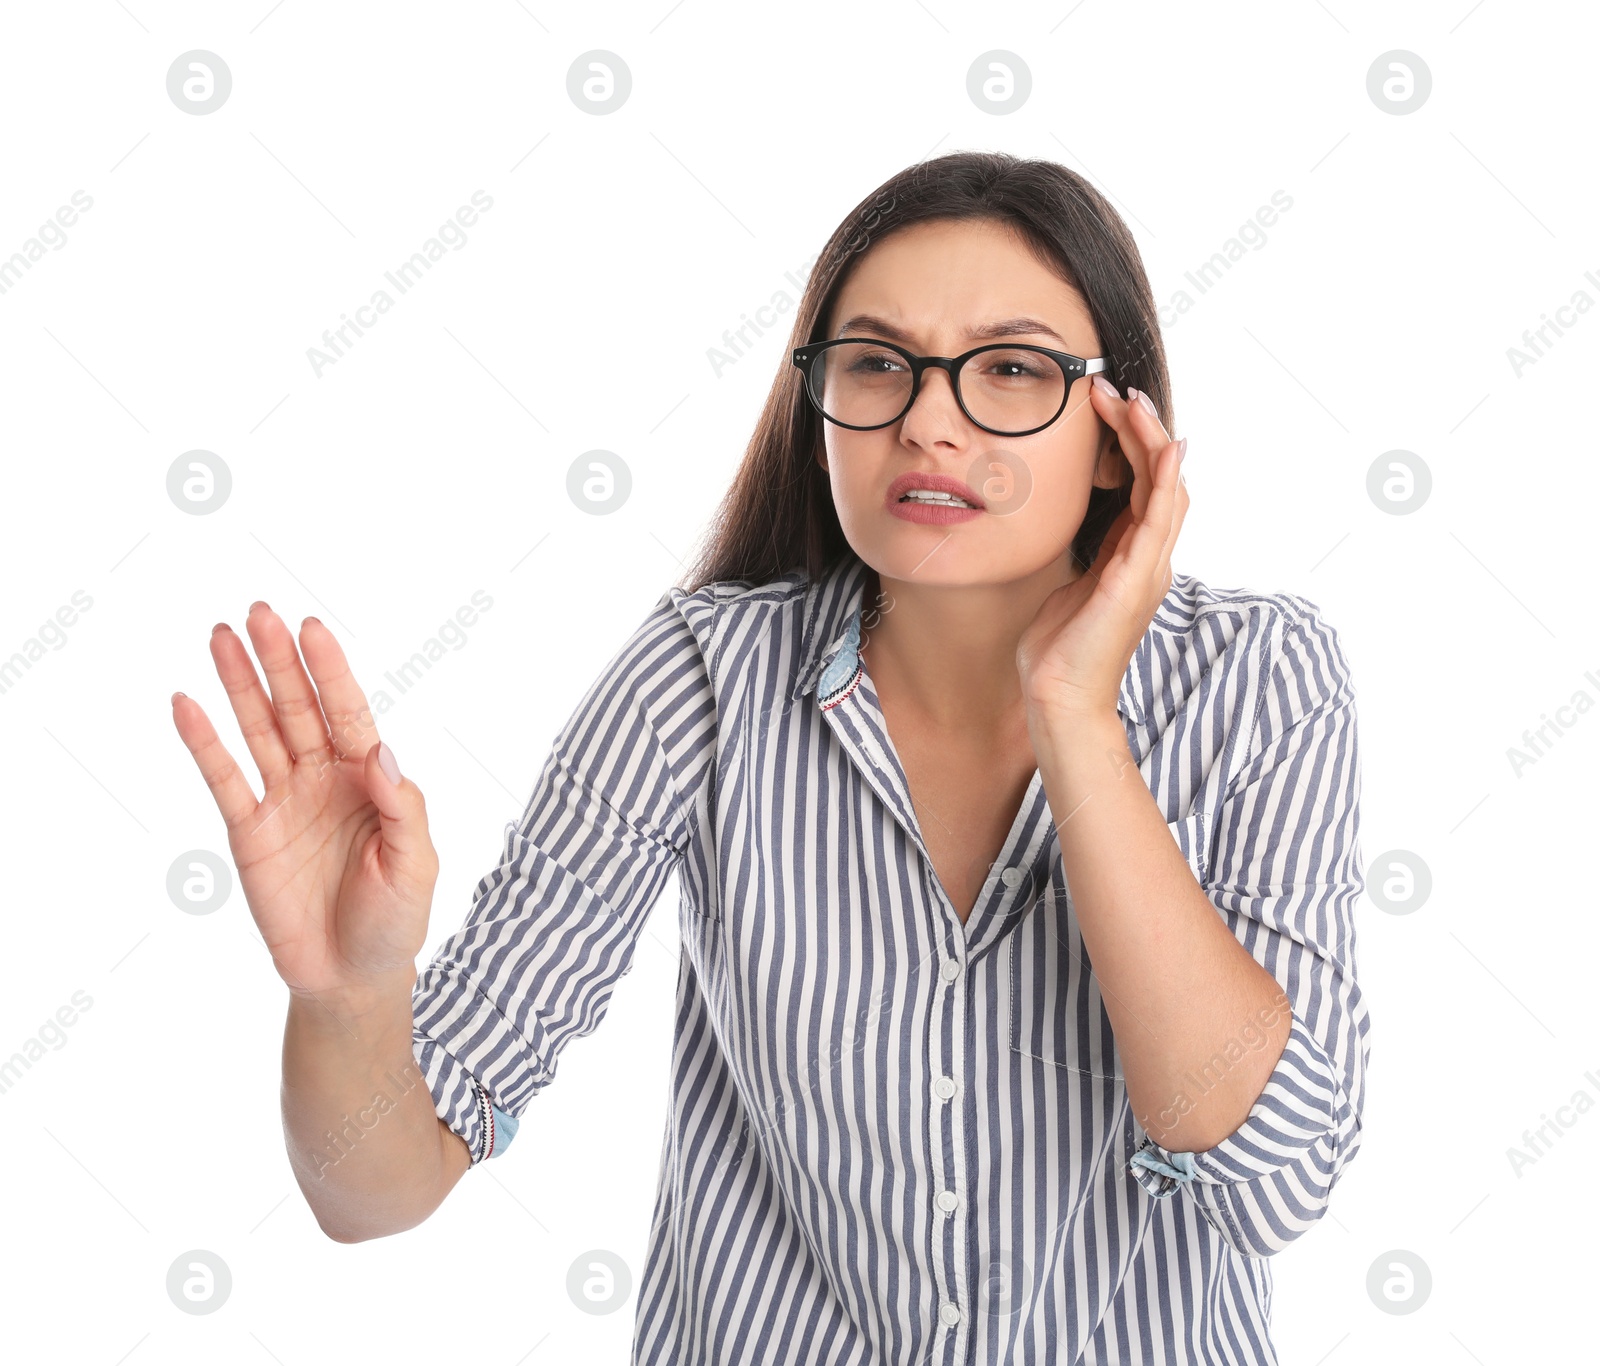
(407, 851)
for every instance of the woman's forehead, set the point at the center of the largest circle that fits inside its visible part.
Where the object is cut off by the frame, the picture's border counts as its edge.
(964, 274)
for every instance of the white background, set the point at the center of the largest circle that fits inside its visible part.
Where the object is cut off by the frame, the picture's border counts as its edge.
(430, 462)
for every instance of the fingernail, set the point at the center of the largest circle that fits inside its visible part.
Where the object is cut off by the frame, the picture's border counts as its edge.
(1183, 448)
(319, 623)
(220, 626)
(258, 603)
(391, 770)
(1105, 386)
(1144, 401)
(176, 696)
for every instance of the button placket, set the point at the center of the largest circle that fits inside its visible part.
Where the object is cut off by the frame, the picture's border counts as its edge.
(948, 1018)
(1010, 885)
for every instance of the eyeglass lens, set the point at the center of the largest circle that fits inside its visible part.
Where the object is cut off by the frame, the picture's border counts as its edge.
(863, 384)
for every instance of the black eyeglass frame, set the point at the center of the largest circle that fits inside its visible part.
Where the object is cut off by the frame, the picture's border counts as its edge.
(1072, 367)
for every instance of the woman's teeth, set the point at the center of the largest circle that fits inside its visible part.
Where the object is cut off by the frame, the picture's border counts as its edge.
(928, 496)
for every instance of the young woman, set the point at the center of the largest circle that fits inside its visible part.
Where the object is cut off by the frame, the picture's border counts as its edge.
(1017, 1015)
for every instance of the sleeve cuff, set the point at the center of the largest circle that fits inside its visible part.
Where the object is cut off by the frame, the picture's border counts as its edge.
(497, 1127)
(452, 1020)
(461, 1101)
(1301, 1104)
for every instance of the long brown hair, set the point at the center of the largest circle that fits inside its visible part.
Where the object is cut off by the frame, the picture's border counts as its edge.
(778, 514)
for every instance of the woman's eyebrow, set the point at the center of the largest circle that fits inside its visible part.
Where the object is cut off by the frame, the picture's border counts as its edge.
(1008, 327)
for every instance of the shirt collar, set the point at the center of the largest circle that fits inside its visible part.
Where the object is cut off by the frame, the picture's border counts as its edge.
(832, 629)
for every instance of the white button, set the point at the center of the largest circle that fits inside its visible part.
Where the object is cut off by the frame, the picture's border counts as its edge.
(944, 1087)
(949, 1313)
(951, 970)
(1011, 876)
(946, 1200)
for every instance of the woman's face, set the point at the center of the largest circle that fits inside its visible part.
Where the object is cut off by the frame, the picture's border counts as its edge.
(935, 288)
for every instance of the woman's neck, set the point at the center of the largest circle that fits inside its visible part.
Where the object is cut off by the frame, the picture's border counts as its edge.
(951, 652)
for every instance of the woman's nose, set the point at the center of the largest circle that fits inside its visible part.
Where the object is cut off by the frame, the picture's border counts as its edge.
(935, 401)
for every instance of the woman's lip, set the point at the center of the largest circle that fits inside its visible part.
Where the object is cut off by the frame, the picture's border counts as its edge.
(932, 483)
(932, 514)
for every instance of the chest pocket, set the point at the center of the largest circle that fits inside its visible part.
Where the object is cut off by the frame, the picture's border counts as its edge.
(1057, 1014)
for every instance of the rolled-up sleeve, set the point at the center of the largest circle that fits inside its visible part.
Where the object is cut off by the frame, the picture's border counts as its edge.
(554, 925)
(1286, 877)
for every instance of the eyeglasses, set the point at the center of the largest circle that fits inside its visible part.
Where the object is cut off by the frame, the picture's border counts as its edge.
(1006, 389)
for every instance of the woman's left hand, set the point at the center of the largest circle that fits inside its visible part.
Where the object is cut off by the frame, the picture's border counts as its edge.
(1075, 652)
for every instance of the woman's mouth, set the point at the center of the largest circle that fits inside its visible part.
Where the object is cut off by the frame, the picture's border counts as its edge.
(931, 499)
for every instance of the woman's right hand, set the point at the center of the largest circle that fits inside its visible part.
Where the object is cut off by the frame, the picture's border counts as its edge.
(335, 859)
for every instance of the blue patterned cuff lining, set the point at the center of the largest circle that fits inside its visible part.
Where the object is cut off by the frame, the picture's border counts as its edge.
(1166, 1176)
(496, 1127)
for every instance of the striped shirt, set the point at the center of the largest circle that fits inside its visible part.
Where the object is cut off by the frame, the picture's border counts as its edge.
(895, 1137)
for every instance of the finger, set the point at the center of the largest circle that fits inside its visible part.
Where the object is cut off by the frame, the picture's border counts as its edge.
(1139, 433)
(1152, 434)
(293, 698)
(1180, 504)
(1139, 554)
(1155, 531)
(1110, 571)
(1148, 419)
(1128, 418)
(233, 795)
(258, 723)
(1112, 408)
(343, 703)
(407, 852)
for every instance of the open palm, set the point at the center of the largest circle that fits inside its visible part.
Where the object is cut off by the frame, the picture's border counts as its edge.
(335, 860)
(1073, 655)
